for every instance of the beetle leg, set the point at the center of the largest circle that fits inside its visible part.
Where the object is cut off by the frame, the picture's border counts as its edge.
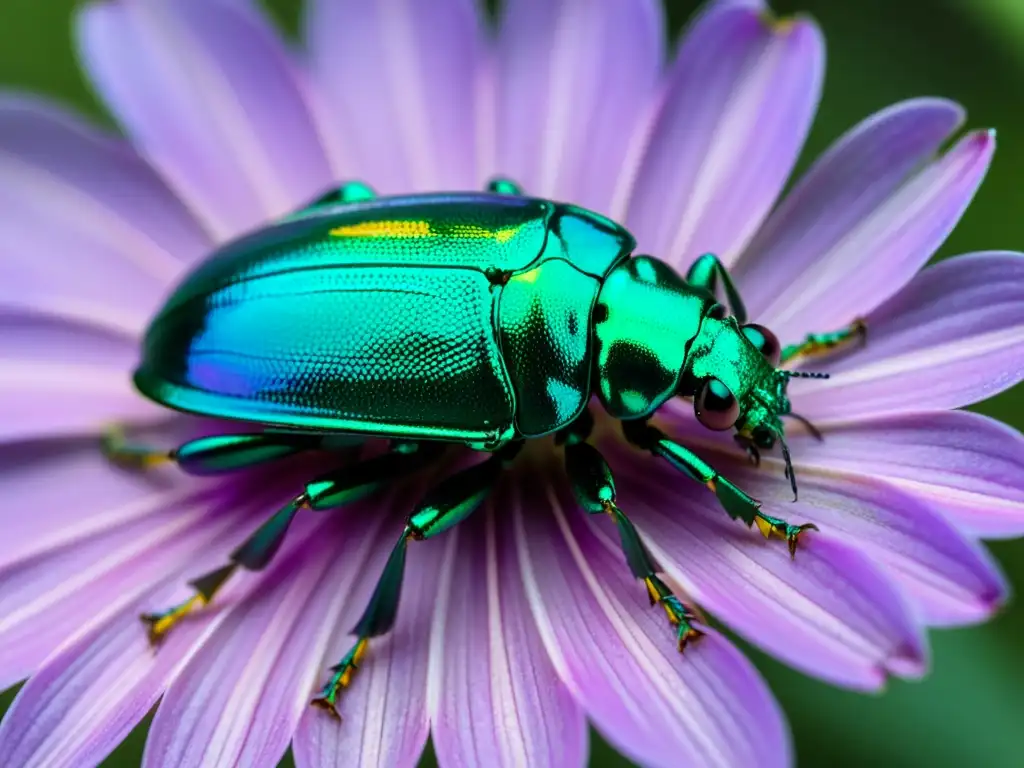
(124, 453)
(448, 504)
(705, 273)
(329, 491)
(218, 454)
(594, 487)
(821, 344)
(349, 192)
(503, 186)
(734, 501)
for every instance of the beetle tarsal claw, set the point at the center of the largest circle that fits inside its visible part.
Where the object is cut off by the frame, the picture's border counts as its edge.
(677, 613)
(773, 526)
(341, 678)
(159, 624)
(127, 455)
(327, 704)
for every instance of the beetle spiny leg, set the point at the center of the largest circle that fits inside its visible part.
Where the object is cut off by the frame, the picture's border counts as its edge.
(678, 615)
(822, 344)
(502, 186)
(594, 487)
(643, 567)
(773, 526)
(341, 677)
(253, 554)
(122, 453)
(206, 586)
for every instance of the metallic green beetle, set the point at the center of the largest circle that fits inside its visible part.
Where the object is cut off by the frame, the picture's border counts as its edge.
(481, 319)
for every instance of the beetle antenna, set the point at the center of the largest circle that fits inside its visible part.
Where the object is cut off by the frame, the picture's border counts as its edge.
(804, 375)
(815, 432)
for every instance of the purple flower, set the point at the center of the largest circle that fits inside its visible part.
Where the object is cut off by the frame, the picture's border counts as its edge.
(523, 623)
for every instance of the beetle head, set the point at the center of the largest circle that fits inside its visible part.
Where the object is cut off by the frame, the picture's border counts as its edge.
(732, 376)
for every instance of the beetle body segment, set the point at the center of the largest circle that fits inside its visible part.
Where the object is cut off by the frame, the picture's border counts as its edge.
(463, 317)
(649, 317)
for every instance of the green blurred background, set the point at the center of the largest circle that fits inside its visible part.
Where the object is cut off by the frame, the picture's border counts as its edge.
(970, 711)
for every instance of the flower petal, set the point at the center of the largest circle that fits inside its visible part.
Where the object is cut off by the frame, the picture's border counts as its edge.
(37, 336)
(91, 692)
(949, 579)
(86, 227)
(88, 696)
(740, 100)
(575, 81)
(855, 176)
(48, 598)
(495, 698)
(402, 79)
(63, 377)
(208, 93)
(74, 492)
(384, 711)
(40, 399)
(240, 697)
(952, 337)
(618, 657)
(842, 273)
(967, 466)
(829, 612)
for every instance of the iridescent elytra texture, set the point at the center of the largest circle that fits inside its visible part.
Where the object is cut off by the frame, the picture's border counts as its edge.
(463, 317)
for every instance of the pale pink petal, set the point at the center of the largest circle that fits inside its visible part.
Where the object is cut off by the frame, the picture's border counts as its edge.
(740, 100)
(617, 654)
(47, 598)
(953, 336)
(60, 376)
(830, 611)
(837, 276)
(402, 80)
(74, 492)
(52, 399)
(208, 92)
(29, 336)
(574, 87)
(948, 579)
(87, 229)
(88, 696)
(384, 711)
(239, 699)
(844, 186)
(495, 698)
(967, 466)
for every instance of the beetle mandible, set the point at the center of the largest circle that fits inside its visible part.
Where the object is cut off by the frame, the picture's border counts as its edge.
(481, 319)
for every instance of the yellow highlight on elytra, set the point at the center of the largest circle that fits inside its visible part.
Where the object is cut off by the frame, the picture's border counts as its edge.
(384, 229)
(404, 229)
(529, 277)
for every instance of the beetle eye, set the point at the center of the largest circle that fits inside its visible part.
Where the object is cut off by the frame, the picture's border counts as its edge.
(716, 407)
(767, 343)
(717, 311)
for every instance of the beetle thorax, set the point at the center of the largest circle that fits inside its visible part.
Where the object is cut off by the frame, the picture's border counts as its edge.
(646, 318)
